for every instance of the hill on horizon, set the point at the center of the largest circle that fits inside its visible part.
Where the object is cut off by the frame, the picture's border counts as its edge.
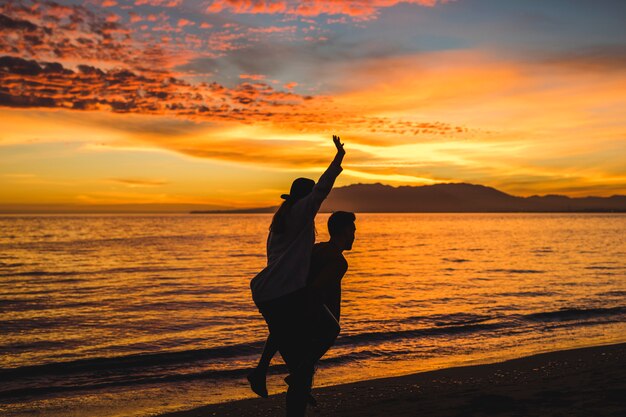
(449, 198)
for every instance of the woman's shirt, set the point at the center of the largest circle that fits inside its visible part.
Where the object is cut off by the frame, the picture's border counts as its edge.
(289, 253)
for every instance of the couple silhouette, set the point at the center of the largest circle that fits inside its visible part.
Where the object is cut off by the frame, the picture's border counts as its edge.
(299, 291)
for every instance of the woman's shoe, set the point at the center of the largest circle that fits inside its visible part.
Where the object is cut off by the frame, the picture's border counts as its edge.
(257, 383)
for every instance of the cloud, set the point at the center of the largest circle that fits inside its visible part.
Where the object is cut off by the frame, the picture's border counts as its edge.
(48, 31)
(26, 83)
(159, 3)
(138, 182)
(273, 29)
(319, 62)
(116, 75)
(185, 22)
(357, 9)
(596, 58)
(256, 77)
(70, 57)
(106, 37)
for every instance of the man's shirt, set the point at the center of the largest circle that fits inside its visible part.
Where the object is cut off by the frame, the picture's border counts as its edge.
(328, 266)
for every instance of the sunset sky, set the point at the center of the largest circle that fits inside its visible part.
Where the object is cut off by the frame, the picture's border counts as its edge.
(223, 102)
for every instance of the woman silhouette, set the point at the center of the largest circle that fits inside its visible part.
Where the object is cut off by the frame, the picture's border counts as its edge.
(279, 290)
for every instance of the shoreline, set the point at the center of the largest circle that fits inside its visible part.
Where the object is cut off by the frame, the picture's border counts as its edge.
(588, 381)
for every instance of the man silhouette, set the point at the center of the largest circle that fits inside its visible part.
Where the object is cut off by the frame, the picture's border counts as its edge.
(327, 268)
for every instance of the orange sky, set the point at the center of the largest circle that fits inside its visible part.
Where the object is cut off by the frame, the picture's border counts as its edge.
(159, 103)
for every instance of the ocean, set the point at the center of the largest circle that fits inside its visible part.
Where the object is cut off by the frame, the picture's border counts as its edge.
(135, 315)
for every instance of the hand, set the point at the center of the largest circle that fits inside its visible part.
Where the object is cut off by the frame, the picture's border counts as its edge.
(338, 144)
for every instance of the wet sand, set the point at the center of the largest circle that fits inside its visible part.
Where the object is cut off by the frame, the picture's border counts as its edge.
(586, 382)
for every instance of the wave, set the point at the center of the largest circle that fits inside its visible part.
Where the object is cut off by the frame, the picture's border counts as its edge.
(526, 294)
(457, 260)
(575, 314)
(364, 338)
(457, 323)
(119, 381)
(452, 319)
(37, 273)
(11, 265)
(162, 359)
(132, 361)
(617, 293)
(94, 241)
(127, 379)
(128, 270)
(604, 267)
(99, 372)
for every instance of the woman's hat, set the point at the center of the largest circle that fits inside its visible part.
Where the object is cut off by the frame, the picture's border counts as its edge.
(300, 187)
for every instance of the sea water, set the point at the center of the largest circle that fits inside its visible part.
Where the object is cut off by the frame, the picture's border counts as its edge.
(135, 315)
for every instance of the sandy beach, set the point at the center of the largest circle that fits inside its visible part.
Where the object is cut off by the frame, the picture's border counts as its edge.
(586, 382)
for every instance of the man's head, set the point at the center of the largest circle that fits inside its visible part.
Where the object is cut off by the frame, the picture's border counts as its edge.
(342, 228)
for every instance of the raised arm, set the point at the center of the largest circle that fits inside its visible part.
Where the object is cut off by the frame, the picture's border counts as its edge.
(327, 179)
(306, 208)
(340, 151)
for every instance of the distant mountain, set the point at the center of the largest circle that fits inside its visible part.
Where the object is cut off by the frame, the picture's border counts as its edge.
(451, 198)
(379, 198)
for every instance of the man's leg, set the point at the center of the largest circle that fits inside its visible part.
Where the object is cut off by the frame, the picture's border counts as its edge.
(325, 331)
(298, 391)
(322, 332)
(287, 321)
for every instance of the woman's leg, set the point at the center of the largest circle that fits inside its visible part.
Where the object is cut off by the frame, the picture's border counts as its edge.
(269, 350)
(257, 378)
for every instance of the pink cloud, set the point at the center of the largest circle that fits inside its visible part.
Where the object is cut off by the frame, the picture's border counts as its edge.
(75, 34)
(28, 83)
(159, 3)
(252, 76)
(185, 22)
(113, 18)
(225, 41)
(72, 58)
(52, 32)
(359, 9)
(134, 17)
(248, 6)
(274, 29)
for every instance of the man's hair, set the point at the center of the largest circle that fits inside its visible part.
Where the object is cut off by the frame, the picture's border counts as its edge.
(339, 221)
